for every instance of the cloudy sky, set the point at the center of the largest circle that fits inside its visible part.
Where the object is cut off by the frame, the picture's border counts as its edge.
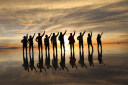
(19, 17)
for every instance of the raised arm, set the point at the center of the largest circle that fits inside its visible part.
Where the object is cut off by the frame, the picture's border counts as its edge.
(33, 35)
(43, 34)
(27, 36)
(91, 33)
(57, 34)
(74, 33)
(50, 35)
(65, 32)
(101, 33)
(83, 32)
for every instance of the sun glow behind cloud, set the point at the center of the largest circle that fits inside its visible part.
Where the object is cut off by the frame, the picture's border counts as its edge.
(21, 17)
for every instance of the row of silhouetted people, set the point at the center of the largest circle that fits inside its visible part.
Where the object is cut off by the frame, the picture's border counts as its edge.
(71, 39)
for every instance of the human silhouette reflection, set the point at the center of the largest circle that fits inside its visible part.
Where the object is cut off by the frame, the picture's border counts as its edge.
(100, 57)
(31, 64)
(54, 41)
(47, 61)
(99, 41)
(90, 58)
(80, 38)
(39, 40)
(62, 62)
(24, 41)
(40, 64)
(72, 60)
(25, 63)
(71, 42)
(89, 41)
(55, 62)
(81, 60)
(61, 39)
(30, 41)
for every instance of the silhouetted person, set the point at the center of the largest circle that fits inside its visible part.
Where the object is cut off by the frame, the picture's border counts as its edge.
(81, 61)
(24, 41)
(46, 43)
(62, 62)
(80, 38)
(90, 58)
(99, 40)
(30, 41)
(71, 41)
(73, 60)
(39, 40)
(47, 61)
(31, 64)
(61, 39)
(55, 62)
(25, 63)
(40, 64)
(89, 40)
(100, 57)
(54, 41)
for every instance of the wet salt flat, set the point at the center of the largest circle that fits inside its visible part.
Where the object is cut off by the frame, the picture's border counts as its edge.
(114, 72)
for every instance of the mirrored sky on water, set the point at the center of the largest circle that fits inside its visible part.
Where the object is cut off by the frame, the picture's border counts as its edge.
(114, 72)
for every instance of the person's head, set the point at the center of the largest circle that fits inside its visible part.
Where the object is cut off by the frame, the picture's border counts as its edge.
(70, 34)
(24, 37)
(53, 34)
(30, 36)
(88, 34)
(80, 33)
(60, 33)
(46, 36)
(98, 35)
(39, 34)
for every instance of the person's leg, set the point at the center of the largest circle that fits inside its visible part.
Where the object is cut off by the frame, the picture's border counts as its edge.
(26, 50)
(73, 48)
(32, 51)
(41, 50)
(56, 49)
(23, 51)
(61, 47)
(29, 50)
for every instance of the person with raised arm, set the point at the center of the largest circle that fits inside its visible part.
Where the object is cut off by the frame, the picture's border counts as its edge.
(89, 40)
(54, 41)
(30, 41)
(46, 42)
(99, 40)
(71, 41)
(61, 39)
(80, 38)
(39, 40)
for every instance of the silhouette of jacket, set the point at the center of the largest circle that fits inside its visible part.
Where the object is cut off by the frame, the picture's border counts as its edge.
(71, 40)
(53, 40)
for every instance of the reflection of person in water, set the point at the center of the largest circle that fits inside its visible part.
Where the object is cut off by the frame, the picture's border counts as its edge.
(54, 41)
(100, 57)
(71, 41)
(99, 40)
(47, 61)
(90, 58)
(31, 64)
(62, 62)
(25, 64)
(80, 38)
(55, 62)
(61, 39)
(24, 41)
(89, 40)
(81, 61)
(39, 40)
(73, 60)
(30, 41)
(40, 64)
(46, 43)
